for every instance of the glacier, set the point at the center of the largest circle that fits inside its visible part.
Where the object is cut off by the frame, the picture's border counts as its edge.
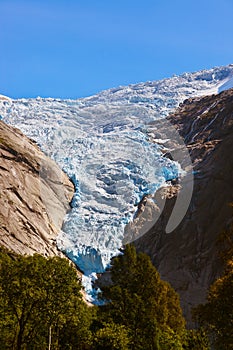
(104, 144)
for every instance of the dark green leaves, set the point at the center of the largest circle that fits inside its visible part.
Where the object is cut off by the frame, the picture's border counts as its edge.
(38, 294)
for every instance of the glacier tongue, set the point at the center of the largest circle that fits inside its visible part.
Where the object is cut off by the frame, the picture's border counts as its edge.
(103, 144)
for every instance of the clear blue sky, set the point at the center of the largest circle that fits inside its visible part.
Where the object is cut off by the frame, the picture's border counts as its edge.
(74, 48)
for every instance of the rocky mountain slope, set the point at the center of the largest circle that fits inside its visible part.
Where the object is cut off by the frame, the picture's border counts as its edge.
(188, 256)
(34, 197)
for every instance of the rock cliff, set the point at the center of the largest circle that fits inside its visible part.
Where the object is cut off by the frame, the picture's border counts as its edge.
(188, 256)
(34, 198)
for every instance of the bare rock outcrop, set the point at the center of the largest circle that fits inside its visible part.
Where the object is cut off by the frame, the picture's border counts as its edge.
(34, 197)
(188, 257)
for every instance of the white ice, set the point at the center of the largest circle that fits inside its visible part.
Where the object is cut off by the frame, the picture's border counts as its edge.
(104, 144)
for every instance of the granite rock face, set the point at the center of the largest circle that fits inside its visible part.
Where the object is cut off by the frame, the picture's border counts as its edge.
(34, 198)
(188, 257)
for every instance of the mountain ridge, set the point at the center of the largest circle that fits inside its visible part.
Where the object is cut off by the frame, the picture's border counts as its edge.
(204, 74)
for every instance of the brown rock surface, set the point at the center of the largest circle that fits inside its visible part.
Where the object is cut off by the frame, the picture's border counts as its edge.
(34, 195)
(188, 256)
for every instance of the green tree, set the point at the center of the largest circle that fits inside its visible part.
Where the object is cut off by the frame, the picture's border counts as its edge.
(196, 339)
(170, 340)
(38, 298)
(216, 316)
(75, 333)
(140, 300)
(111, 337)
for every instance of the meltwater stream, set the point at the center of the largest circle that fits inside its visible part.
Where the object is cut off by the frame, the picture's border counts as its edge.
(103, 144)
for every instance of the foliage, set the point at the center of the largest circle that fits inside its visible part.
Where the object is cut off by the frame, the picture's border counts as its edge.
(140, 300)
(111, 337)
(37, 296)
(41, 307)
(196, 339)
(169, 340)
(216, 316)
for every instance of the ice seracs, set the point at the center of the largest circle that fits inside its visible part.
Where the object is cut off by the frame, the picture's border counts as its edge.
(107, 148)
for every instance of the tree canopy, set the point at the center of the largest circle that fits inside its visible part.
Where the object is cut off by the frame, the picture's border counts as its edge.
(141, 301)
(38, 298)
(41, 307)
(216, 316)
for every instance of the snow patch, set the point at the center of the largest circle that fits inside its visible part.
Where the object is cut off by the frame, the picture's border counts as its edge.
(228, 84)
